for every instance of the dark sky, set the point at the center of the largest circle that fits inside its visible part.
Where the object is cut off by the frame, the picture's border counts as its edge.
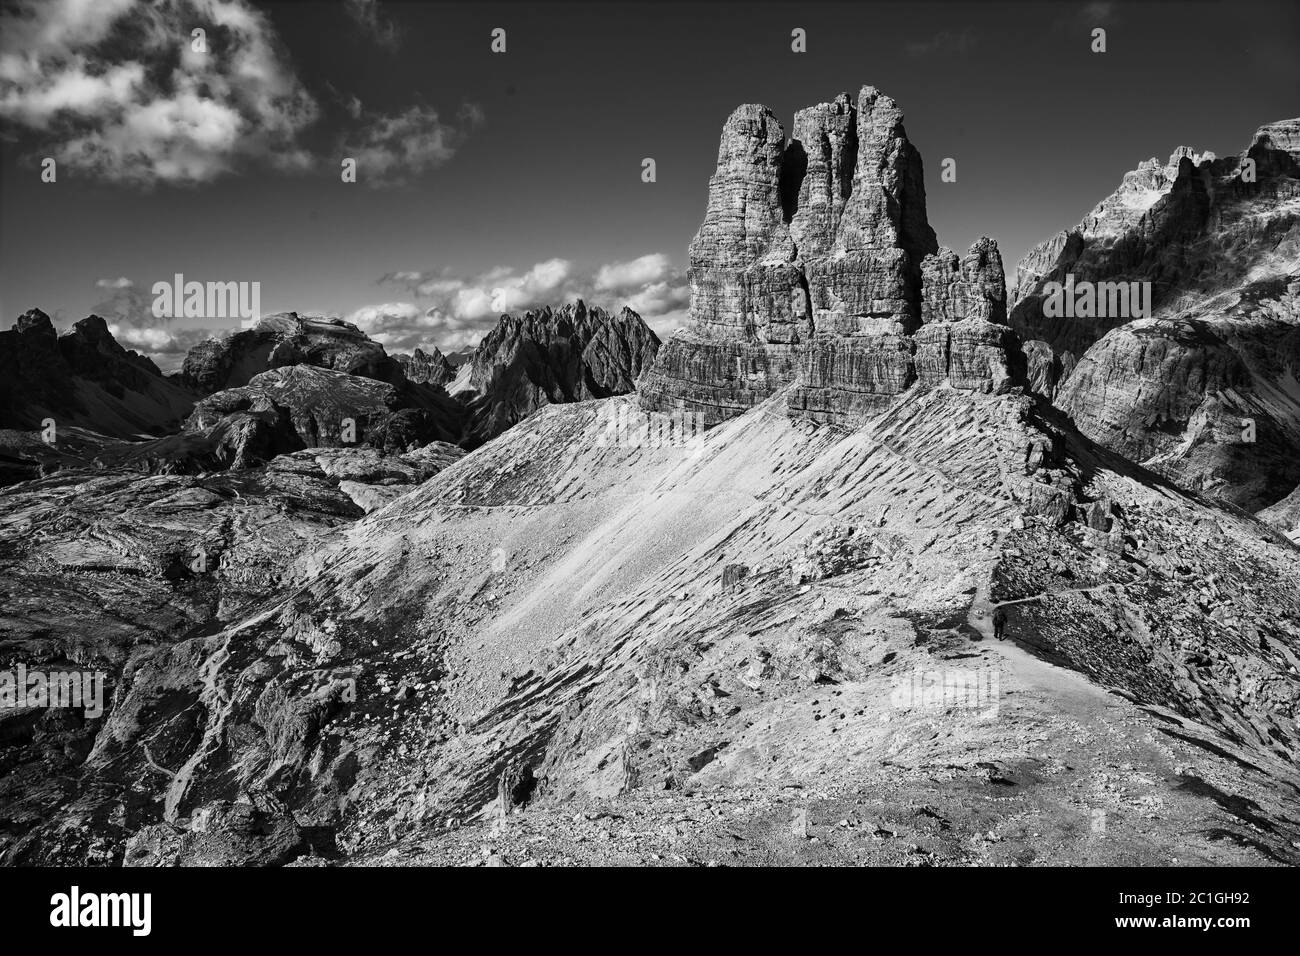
(1041, 129)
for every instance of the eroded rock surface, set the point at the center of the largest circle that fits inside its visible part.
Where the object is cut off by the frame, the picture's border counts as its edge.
(1203, 389)
(283, 339)
(465, 649)
(1208, 399)
(816, 265)
(433, 368)
(99, 571)
(552, 356)
(893, 600)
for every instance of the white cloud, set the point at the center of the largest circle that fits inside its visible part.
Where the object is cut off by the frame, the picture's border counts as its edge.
(158, 341)
(668, 323)
(128, 311)
(658, 298)
(73, 93)
(404, 326)
(392, 149)
(618, 276)
(157, 111)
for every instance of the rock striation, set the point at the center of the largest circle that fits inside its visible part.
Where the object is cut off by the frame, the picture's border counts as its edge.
(450, 656)
(816, 267)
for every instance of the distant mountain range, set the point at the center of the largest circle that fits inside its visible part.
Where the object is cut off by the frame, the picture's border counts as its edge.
(289, 383)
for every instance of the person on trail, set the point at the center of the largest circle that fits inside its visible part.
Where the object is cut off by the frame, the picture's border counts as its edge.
(999, 623)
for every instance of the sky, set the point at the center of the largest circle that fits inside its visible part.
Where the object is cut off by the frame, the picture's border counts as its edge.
(498, 181)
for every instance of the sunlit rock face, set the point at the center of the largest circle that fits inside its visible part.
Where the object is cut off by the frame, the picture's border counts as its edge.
(816, 265)
(1200, 386)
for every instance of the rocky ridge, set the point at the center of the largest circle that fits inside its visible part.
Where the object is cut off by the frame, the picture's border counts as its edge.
(551, 356)
(1191, 225)
(731, 619)
(290, 383)
(83, 379)
(421, 366)
(284, 339)
(1203, 390)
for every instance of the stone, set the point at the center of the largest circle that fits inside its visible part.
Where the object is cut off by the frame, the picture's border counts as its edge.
(283, 339)
(1175, 390)
(814, 269)
(433, 368)
(83, 378)
(1189, 225)
(552, 356)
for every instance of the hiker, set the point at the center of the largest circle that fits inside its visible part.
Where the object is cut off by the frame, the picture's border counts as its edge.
(999, 623)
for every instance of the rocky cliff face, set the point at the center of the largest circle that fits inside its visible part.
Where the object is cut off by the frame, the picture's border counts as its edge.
(1206, 398)
(1193, 226)
(300, 407)
(83, 378)
(816, 265)
(550, 356)
(1203, 390)
(287, 339)
(420, 366)
(95, 392)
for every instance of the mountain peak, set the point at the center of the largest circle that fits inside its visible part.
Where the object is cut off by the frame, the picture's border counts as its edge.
(813, 266)
(549, 356)
(34, 321)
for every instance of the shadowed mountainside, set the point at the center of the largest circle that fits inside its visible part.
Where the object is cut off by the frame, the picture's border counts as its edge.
(1206, 390)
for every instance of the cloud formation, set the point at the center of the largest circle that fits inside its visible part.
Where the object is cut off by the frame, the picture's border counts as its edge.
(439, 309)
(392, 149)
(128, 311)
(117, 89)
